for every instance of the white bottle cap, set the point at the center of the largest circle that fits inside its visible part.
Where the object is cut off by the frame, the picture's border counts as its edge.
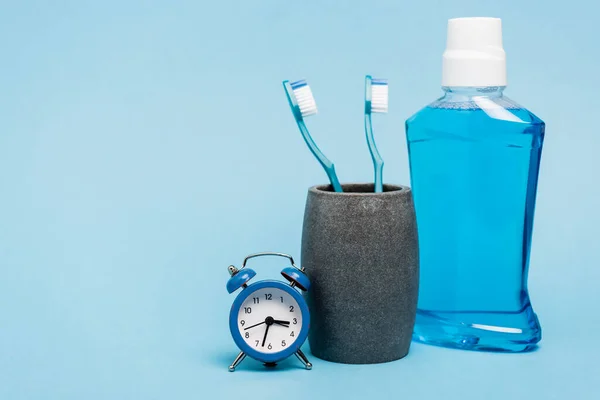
(474, 54)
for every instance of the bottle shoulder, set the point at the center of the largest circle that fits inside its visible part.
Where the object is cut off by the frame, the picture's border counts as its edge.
(497, 109)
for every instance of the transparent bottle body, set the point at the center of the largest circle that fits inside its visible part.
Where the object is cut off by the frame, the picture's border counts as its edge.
(474, 161)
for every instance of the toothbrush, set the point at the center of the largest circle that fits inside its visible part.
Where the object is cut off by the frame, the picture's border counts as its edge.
(303, 105)
(376, 101)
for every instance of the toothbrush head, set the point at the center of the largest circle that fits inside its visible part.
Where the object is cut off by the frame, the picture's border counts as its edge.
(301, 98)
(376, 95)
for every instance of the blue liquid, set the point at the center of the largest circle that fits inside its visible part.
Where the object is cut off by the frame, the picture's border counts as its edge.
(474, 166)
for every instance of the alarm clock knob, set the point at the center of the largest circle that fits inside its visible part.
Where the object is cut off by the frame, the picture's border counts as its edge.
(239, 279)
(296, 277)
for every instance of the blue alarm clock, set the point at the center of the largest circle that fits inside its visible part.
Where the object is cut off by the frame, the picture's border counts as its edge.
(269, 319)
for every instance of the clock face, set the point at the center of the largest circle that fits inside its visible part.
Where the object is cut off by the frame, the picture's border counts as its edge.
(269, 320)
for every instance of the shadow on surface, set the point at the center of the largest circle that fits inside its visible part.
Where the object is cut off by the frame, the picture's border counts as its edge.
(223, 359)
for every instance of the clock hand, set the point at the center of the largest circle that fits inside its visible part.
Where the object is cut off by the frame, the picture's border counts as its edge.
(282, 323)
(265, 338)
(260, 323)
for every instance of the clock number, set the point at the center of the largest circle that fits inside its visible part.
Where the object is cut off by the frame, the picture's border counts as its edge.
(257, 341)
(242, 322)
(295, 321)
(247, 335)
(268, 296)
(283, 343)
(281, 299)
(292, 334)
(247, 310)
(270, 347)
(292, 309)
(255, 300)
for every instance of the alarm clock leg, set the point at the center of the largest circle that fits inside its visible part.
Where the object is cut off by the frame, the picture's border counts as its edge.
(237, 361)
(303, 359)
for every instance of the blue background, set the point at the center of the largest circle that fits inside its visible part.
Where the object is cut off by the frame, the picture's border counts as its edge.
(145, 146)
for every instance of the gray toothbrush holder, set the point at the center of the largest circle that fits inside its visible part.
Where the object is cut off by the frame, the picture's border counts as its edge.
(360, 252)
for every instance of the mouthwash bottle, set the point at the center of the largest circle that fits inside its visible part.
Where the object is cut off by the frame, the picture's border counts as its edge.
(474, 161)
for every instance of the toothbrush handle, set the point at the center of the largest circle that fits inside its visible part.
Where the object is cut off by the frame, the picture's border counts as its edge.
(334, 179)
(323, 160)
(377, 160)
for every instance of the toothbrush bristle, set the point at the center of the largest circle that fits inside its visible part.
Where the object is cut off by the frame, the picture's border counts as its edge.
(379, 95)
(304, 98)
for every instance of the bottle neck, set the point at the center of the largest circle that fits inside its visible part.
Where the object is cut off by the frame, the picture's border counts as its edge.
(462, 93)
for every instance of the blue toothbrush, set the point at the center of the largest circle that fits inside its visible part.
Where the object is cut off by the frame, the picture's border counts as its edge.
(376, 101)
(303, 105)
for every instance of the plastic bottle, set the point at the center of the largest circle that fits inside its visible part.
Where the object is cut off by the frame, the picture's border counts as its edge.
(474, 160)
